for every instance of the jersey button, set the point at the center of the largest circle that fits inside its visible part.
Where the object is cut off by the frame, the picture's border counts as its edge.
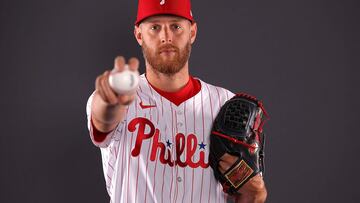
(179, 179)
(179, 112)
(179, 124)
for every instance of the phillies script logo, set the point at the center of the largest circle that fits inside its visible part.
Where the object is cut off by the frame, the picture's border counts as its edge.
(189, 144)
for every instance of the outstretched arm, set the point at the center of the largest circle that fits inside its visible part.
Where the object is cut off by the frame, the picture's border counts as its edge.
(108, 108)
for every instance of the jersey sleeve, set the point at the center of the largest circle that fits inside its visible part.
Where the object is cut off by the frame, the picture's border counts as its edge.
(100, 139)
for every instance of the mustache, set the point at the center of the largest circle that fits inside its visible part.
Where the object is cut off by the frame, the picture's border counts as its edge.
(167, 47)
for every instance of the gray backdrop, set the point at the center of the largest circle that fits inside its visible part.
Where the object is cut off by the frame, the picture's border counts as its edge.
(300, 57)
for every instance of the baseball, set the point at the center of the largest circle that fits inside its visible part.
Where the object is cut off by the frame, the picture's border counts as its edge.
(125, 82)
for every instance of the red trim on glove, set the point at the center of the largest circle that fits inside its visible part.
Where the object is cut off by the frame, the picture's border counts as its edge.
(260, 104)
(255, 99)
(233, 140)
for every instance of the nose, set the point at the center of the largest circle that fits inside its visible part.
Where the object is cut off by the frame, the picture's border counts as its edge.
(166, 35)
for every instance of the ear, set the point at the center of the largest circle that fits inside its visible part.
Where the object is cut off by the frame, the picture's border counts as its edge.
(193, 32)
(137, 34)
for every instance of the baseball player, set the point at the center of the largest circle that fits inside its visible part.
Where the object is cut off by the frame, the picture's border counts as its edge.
(155, 141)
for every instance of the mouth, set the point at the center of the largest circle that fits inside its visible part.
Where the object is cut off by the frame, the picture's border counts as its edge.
(167, 51)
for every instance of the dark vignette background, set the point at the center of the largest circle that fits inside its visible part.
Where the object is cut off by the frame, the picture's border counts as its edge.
(300, 57)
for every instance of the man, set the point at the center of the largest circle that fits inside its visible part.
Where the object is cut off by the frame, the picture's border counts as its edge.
(155, 142)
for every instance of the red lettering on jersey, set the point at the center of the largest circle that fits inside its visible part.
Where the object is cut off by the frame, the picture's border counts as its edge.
(180, 146)
(155, 145)
(142, 122)
(202, 160)
(190, 143)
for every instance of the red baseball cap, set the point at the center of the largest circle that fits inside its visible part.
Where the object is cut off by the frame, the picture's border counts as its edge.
(147, 8)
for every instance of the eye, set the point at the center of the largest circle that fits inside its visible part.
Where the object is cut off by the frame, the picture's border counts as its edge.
(177, 27)
(154, 27)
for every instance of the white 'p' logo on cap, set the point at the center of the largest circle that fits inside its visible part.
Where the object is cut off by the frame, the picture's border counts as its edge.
(162, 2)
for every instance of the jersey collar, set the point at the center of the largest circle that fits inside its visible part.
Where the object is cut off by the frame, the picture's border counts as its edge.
(192, 87)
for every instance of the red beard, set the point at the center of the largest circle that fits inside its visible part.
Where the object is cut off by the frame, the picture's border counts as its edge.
(167, 59)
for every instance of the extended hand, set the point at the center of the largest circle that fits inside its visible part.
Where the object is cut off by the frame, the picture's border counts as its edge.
(103, 88)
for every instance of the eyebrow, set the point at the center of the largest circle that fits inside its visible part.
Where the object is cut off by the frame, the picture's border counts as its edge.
(157, 21)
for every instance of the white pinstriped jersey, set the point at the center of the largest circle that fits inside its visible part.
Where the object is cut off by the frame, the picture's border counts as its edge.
(159, 153)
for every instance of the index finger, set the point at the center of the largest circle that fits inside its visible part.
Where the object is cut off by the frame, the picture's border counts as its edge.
(133, 64)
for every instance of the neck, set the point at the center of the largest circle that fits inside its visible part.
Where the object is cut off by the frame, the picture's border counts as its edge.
(166, 82)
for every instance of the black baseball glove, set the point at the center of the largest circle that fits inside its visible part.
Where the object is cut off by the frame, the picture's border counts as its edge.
(237, 131)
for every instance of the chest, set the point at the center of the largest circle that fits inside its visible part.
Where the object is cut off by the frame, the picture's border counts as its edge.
(176, 135)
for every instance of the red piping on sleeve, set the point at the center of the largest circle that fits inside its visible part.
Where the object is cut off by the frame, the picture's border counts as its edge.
(97, 135)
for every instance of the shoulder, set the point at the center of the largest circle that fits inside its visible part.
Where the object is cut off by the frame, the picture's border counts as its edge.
(215, 91)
